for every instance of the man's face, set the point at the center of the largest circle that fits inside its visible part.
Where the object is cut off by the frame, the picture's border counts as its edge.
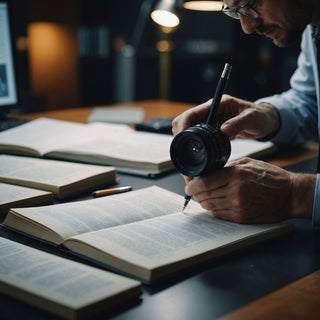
(281, 20)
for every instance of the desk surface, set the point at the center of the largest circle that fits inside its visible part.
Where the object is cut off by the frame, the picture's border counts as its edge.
(213, 289)
(299, 300)
(162, 108)
(153, 108)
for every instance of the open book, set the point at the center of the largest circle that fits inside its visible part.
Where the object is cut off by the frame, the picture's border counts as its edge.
(68, 289)
(97, 143)
(118, 145)
(142, 233)
(16, 196)
(63, 179)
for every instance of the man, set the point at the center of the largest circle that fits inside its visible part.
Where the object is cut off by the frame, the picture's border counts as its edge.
(248, 190)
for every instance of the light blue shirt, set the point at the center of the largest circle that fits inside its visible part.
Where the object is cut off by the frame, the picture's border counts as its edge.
(298, 107)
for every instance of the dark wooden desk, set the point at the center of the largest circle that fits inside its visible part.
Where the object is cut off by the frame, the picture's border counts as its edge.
(210, 290)
(159, 108)
(296, 301)
(153, 108)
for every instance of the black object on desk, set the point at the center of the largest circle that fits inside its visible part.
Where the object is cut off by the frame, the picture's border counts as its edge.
(9, 123)
(157, 125)
(307, 166)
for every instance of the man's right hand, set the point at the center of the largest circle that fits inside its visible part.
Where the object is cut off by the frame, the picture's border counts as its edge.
(238, 118)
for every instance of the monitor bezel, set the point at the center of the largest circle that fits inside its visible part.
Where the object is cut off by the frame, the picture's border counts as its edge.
(7, 109)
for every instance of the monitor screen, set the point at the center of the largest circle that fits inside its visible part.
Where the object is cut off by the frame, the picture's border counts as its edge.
(8, 86)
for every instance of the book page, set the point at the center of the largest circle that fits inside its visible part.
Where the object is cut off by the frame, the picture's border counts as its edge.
(250, 148)
(11, 193)
(165, 240)
(127, 153)
(41, 134)
(21, 170)
(16, 196)
(25, 271)
(120, 147)
(98, 143)
(79, 217)
(46, 134)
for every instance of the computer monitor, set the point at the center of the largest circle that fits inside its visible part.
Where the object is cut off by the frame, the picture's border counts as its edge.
(8, 84)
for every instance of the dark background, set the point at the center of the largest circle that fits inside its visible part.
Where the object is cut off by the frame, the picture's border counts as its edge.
(201, 45)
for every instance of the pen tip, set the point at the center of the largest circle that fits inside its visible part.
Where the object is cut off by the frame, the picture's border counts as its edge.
(187, 198)
(184, 206)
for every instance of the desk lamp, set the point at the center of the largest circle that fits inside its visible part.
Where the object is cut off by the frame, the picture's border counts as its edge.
(125, 65)
(203, 5)
(166, 14)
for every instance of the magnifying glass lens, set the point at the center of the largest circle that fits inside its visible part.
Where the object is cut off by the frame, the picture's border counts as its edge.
(194, 152)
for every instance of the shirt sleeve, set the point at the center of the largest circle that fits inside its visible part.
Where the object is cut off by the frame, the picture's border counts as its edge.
(298, 111)
(298, 107)
(316, 205)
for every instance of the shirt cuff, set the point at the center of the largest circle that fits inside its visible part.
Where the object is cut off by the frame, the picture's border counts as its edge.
(286, 133)
(316, 205)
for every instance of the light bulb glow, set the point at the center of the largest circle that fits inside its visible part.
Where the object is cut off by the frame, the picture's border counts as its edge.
(203, 5)
(165, 18)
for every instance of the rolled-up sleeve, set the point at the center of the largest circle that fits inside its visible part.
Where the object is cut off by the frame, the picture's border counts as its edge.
(298, 109)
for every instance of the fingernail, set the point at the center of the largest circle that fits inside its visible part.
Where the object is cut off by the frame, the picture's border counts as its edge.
(225, 126)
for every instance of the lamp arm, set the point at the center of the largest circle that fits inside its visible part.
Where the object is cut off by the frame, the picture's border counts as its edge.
(142, 19)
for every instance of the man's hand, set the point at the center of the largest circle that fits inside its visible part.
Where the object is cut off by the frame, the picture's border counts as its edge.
(247, 190)
(237, 118)
(252, 191)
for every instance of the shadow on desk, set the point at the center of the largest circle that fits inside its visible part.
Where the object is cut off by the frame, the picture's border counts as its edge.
(307, 166)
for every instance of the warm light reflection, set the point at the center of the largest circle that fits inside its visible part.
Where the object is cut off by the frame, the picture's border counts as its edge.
(22, 43)
(203, 5)
(164, 46)
(165, 18)
(53, 63)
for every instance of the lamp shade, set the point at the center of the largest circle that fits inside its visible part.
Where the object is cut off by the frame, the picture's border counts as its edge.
(166, 14)
(203, 5)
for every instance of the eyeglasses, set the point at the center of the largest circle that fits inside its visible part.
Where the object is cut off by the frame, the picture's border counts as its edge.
(246, 10)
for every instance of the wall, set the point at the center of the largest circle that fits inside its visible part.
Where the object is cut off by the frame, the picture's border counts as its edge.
(53, 52)
(74, 47)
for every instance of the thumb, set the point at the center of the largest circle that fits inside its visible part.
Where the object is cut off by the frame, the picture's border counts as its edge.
(239, 126)
(232, 127)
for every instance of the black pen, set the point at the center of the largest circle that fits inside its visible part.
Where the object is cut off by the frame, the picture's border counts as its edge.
(187, 198)
(219, 92)
(214, 106)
